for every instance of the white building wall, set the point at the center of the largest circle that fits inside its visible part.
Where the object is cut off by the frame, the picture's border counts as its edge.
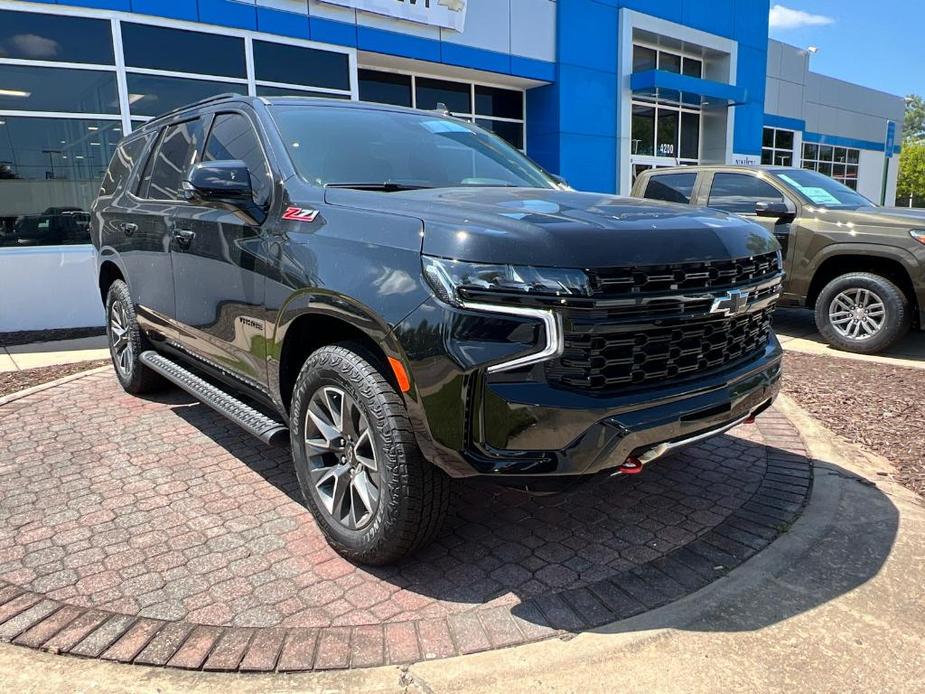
(49, 287)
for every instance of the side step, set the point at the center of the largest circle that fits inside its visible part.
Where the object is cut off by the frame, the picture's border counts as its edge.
(252, 421)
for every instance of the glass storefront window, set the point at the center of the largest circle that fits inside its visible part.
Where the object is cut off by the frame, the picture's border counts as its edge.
(777, 147)
(669, 62)
(643, 130)
(840, 163)
(500, 103)
(27, 88)
(35, 36)
(690, 135)
(276, 62)
(50, 173)
(667, 140)
(644, 59)
(513, 133)
(152, 95)
(385, 88)
(263, 90)
(456, 96)
(178, 50)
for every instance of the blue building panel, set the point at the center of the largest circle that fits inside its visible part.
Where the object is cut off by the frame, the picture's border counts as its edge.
(282, 23)
(476, 58)
(589, 162)
(172, 9)
(587, 34)
(122, 5)
(331, 31)
(749, 118)
(229, 14)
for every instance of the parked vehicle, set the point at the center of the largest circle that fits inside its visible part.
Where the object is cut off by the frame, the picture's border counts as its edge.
(404, 298)
(860, 267)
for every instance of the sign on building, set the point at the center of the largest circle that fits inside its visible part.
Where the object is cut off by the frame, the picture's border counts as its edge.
(449, 14)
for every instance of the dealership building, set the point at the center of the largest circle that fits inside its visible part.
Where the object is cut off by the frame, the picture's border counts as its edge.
(594, 90)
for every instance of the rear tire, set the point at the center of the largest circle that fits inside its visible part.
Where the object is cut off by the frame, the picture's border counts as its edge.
(126, 343)
(862, 313)
(374, 496)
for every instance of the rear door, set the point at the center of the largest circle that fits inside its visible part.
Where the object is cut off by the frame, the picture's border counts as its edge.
(148, 230)
(739, 193)
(219, 265)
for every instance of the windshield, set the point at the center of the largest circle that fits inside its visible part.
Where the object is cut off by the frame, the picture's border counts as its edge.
(823, 191)
(331, 145)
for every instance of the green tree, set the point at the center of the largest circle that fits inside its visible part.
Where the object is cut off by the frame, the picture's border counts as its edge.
(914, 123)
(911, 184)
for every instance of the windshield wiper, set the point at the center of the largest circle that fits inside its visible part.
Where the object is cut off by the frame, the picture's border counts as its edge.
(385, 186)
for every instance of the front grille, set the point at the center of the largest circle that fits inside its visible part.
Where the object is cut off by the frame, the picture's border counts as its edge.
(654, 324)
(602, 362)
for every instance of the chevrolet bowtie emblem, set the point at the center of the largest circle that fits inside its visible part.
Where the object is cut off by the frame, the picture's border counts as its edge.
(732, 303)
(453, 5)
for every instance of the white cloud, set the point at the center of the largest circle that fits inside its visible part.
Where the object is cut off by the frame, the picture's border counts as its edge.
(788, 18)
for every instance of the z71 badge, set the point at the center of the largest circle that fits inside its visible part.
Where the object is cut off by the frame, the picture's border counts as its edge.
(298, 214)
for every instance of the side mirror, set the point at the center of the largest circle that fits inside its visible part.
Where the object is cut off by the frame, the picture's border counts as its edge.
(224, 181)
(774, 210)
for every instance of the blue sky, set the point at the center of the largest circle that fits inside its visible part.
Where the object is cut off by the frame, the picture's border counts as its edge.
(877, 43)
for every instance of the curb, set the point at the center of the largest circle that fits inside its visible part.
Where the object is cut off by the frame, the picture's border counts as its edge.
(19, 394)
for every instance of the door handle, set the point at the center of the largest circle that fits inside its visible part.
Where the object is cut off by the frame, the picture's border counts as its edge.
(128, 228)
(184, 236)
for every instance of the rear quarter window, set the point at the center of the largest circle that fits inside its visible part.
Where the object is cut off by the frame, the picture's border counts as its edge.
(123, 162)
(677, 187)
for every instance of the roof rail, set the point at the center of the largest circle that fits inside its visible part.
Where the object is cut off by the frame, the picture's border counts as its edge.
(201, 102)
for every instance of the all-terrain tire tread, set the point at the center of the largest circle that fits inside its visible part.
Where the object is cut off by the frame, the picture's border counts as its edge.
(418, 499)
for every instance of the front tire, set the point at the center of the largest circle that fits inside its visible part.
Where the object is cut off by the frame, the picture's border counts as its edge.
(126, 343)
(862, 313)
(361, 472)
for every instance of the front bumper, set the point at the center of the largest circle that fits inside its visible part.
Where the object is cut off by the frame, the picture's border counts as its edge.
(587, 441)
(470, 422)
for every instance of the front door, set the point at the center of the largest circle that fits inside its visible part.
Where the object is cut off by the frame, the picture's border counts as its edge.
(218, 263)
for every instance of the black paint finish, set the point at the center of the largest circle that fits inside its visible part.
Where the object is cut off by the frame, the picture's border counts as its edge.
(236, 290)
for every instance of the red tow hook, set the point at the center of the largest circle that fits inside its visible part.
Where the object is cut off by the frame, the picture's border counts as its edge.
(632, 466)
(750, 420)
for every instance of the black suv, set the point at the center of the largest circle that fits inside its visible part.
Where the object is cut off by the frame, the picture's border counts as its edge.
(404, 298)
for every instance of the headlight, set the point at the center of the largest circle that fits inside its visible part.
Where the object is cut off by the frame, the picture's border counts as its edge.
(482, 287)
(458, 283)
(918, 235)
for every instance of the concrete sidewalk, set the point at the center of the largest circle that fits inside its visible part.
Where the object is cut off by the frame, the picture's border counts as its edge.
(796, 329)
(40, 354)
(835, 605)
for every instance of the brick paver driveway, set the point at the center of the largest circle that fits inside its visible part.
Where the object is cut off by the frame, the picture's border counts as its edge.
(155, 531)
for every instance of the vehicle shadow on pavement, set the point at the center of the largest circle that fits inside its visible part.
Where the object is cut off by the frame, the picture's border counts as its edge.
(614, 548)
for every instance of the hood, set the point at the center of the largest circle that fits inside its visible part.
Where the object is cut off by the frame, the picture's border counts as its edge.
(557, 228)
(903, 218)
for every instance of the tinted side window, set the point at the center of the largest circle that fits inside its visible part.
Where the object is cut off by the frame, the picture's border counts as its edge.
(122, 163)
(174, 156)
(233, 137)
(739, 193)
(677, 187)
